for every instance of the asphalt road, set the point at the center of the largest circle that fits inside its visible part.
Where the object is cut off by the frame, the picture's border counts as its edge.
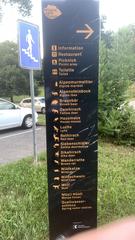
(16, 144)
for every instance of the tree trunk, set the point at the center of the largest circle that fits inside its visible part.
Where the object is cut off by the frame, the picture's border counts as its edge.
(11, 98)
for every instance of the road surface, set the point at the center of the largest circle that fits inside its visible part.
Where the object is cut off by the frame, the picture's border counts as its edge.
(16, 144)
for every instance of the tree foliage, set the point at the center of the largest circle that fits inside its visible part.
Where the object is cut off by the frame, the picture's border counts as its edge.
(24, 6)
(116, 68)
(117, 61)
(13, 80)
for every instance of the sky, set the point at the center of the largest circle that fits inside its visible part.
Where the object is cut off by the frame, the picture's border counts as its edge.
(119, 13)
(8, 27)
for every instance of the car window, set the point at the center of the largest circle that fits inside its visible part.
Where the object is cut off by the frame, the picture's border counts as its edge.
(42, 100)
(27, 101)
(6, 105)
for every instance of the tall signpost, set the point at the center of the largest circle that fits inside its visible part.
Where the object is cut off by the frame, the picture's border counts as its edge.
(29, 58)
(71, 40)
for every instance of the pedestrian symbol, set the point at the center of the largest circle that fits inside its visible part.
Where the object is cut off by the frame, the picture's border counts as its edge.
(29, 49)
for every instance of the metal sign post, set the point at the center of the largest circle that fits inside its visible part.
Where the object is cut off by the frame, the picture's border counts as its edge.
(71, 40)
(33, 115)
(29, 58)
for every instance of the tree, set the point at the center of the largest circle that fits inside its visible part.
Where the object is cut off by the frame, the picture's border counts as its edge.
(106, 36)
(13, 80)
(24, 6)
(117, 67)
(39, 76)
(117, 61)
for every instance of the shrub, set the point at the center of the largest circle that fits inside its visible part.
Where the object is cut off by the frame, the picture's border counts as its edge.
(119, 125)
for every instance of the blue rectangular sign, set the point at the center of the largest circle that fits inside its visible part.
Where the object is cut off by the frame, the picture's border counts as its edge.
(29, 45)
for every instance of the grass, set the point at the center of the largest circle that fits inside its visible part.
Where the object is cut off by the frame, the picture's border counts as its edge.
(23, 191)
(41, 91)
(41, 119)
(116, 182)
(23, 202)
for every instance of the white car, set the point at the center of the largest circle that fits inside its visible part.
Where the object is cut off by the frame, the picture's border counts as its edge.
(12, 115)
(39, 103)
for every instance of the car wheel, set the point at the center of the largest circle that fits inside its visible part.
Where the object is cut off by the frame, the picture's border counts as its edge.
(43, 110)
(27, 122)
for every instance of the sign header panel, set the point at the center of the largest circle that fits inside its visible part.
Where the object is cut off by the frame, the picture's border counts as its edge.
(71, 39)
(29, 46)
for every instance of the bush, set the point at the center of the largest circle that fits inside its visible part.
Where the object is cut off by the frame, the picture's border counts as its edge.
(119, 125)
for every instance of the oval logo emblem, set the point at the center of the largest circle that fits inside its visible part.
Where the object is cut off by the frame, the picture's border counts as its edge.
(52, 12)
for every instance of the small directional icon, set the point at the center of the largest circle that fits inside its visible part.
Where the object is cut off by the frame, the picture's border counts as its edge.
(56, 129)
(88, 31)
(75, 226)
(56, 178)
(54, 47)
(55, 94)
(54, 62)
(54, 102)
(55, 111)
(56, 187)
(56, 119)
(57, 162)
(55, 72)
(56, 138)
(56, 145)
(54, 54)
(56, 170)
(57, 154)
(56, 84)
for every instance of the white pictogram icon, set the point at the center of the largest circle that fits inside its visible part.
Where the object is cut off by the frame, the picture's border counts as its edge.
(29, 50)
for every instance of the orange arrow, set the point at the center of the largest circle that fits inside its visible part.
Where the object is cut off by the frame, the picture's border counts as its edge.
(89, 31)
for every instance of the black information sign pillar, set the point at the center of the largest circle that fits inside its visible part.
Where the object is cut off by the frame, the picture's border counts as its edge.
(71, 38)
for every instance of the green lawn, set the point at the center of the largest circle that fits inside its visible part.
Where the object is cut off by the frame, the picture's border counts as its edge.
(41, 91)
(41, 119)
(23, 201)
(23, 193)
(116, 182)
